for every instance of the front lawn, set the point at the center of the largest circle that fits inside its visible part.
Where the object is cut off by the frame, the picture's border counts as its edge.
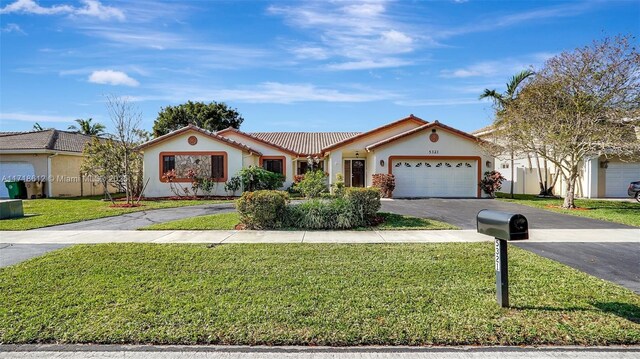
(613, 211)
(307, 294)
(53, 211)
(226, 221)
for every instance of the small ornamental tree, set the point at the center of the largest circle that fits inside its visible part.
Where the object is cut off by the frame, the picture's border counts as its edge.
(491, 182)
(582, 104)
(385, 182)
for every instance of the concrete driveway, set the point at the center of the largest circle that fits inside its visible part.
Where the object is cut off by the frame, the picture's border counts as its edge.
(462, 213)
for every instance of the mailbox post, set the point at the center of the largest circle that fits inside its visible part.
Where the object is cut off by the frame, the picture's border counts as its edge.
(503, 227)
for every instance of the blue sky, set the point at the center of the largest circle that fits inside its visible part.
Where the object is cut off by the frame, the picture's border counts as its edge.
(286, 66)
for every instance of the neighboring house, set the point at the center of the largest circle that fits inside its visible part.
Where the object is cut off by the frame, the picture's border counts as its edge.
(427, 159)
(600, 177)
(52, 156)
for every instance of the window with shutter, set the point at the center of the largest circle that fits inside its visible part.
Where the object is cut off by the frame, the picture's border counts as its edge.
(217, 167)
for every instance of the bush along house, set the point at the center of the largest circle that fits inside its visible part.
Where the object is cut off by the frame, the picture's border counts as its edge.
(428, 159)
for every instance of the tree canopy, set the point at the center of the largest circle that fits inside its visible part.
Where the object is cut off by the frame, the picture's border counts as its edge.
(213, 117)
(582, 104)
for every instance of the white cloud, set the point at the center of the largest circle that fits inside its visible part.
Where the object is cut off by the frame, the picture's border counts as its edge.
(11, 27)
(351, 34)
(311, 52)
(369, 64)
(31, 7)
(91, 8)
(25, 117)
(111, 77)
(266, 92)
(440, 102)
(498, 68)
(96, 9)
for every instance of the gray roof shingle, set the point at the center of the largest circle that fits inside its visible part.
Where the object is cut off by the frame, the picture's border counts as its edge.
(53, 140)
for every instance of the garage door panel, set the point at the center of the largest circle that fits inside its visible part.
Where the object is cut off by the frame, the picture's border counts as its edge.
(435, 178)
(617, 178)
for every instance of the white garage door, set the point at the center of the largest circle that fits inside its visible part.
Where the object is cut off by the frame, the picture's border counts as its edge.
(617, 178)
(12, 171)
(435, 178)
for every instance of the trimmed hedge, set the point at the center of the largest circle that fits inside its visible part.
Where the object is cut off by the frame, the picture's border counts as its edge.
(365, 203)
(270, 210)
(262, 209)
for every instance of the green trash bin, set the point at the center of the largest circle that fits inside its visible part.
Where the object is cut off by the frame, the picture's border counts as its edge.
(17, 189)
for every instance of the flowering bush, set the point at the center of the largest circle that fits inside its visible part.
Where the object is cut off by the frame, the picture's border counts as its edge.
(491, 182)
(385, 182)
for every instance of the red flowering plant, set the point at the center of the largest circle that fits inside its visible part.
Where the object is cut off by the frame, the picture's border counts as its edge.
(179, 190)
(386, 183)
(491, 183)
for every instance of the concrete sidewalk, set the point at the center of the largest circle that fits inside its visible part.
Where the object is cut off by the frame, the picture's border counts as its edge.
(232, 236)
(263, 352)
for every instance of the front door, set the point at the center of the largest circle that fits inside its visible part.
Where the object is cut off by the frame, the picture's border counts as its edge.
(357, 173)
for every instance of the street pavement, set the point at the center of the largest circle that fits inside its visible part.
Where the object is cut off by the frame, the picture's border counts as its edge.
(233, 352)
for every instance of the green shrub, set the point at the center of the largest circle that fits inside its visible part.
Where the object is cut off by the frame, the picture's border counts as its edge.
(313, 184)
(364, 203)
(262, 209)
(255, 178)
(338, 187)
(321, 214)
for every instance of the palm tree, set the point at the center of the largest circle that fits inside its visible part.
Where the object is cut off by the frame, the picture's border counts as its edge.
(501, 100)
(85, 127)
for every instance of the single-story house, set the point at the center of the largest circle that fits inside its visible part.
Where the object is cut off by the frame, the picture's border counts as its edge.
(600, 176)
(428, 159)
(52, 156)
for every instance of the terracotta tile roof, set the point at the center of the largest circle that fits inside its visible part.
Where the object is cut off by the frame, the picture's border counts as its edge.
(303, 143)
(422, 128)
(204, 132)
(411, 118)
(483, 130)
(52, 140)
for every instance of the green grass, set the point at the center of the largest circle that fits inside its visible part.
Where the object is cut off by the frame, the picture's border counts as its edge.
(53, 211)
(307, 294)
(213, 221)
(394, 221)
(225, 221)
(613, 211)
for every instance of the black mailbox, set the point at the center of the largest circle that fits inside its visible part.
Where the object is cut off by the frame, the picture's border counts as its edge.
(502, 225)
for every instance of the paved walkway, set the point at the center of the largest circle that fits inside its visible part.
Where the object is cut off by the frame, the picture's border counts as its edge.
(232, 352)
(135, 220)
(232, 236)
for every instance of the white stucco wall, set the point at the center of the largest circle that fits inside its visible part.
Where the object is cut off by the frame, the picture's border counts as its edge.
(418, 144)
(156, 188)
(348, 150)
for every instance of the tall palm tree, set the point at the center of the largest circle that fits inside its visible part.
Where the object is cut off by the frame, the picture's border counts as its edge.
(85, 127)
(501, 100)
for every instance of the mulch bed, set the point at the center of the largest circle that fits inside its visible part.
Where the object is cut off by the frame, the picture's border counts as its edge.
(571, 209)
